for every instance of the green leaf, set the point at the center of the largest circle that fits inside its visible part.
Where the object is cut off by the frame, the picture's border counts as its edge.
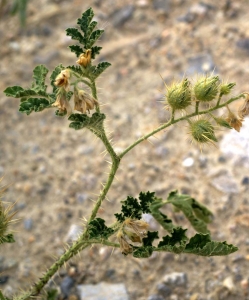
(75, 35)
(201, 244)
(151, 236)
(94, 123)
(33, 104)
(142, 252)
(97, 229)
(132, 208)
(13, 91)
(100, 68)
(145, 200)
(76, 69)
(8, 238)
(93, 38)
(95, 51)
(90, 28)
(39, 74)
(174, 243)
(85, 20)
(76, 49)
(197, 214)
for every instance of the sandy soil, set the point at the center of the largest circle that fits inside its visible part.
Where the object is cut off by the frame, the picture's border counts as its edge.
(55, 172)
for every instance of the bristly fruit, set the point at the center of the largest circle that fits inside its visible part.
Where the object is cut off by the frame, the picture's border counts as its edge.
(179, 95)
(206, 88)
(225, 89)
(202, 131)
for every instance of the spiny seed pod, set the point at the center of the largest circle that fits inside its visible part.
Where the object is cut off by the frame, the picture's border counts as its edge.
(202, 131)
(179, 95)
(225, 89)
(206, 88)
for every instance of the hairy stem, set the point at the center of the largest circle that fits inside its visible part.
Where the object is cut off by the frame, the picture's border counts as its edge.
(173, 121)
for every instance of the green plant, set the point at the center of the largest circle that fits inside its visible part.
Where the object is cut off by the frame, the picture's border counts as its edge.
(200, 99)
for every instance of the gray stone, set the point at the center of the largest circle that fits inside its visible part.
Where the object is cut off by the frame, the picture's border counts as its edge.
(163, 5)
(201, 64)
(225, 183)
(121, 16)
(243, 44)
(163, 289)
(103, 291)
(66, 285)
(28, 224)
(175, 278)
(155, 297)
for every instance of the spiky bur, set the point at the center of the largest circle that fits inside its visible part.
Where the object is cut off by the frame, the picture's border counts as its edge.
(178, 95)
(206, 88)
(226, 88)
(6, 218)
(202, 131)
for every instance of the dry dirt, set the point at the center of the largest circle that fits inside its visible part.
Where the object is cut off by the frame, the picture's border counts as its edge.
(55, 172)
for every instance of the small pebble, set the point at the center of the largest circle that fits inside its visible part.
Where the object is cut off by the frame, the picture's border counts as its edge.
(28, 224)
(188, 162)
(66, 285)
(163, 289)
(175, 278)
(156, 297)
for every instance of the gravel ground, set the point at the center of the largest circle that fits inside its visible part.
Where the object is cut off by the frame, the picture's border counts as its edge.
(54, 173)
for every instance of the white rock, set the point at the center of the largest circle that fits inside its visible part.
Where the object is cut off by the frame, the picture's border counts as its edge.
(103, 291)
(188, 162)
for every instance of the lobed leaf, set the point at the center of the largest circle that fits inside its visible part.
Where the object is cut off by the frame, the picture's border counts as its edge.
(76, 49)
(161, 218)
(33, 104)
(93, 38)
(100, 68)
(174, 243)
(132, 208)
(80, 121)
(75, 35)
(85, 20)
(98, 229)
(95, 51)
(39, 74)
(201, 244)
(197, 214)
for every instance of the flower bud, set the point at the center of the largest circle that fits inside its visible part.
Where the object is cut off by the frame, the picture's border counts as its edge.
(83, 102)
(62, 80)
(62, 103)
(233, 120)
(202, 131)
(85, 58)
(206, 88)
(179, 95)
(225, 89)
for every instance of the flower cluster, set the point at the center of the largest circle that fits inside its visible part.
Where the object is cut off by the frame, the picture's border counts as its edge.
(83, 102)
(131, 231)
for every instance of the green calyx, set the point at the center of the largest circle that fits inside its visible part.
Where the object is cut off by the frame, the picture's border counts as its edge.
(179, 95)
(206, 88)
(202, 131)
(225, 89)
